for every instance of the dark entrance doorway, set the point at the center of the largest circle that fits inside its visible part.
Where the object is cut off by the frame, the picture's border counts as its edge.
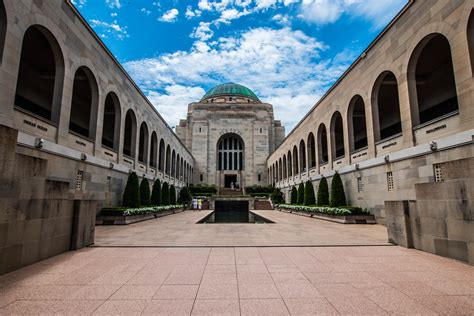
(229, 178)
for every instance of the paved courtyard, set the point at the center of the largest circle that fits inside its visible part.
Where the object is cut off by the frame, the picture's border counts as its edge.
(289, 230)
(241, 281)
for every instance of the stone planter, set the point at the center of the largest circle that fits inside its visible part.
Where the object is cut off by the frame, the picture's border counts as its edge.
(341, 219)
(125, 220)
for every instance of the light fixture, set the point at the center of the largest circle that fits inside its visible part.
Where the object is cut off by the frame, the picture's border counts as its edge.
(433, 145)
(39, 143)
(83, 157)
(387, 158)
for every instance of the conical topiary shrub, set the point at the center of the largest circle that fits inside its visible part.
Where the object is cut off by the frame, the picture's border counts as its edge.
(172, 195)
(156, 193)
(144, 193)
(300, 194)
(184, 196)
(309, 198)
(294, 195)
(338, 196)
(277, 196)
(323, 192)
(131, 195)
(165, 194)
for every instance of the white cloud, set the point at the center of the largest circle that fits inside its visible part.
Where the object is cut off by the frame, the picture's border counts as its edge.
(79, 3)
(170, 16)
(282, 19)
(379, 12)
(282, 67)
(202, 32)
(106, 29)
(145, 11)
(190, 13)
(113, 3)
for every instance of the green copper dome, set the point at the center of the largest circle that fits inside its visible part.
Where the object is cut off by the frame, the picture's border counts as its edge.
(230, 89)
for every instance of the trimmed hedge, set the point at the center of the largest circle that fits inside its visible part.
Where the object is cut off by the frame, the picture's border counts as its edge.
(294, 195)
(172, 195)
(259, 189)
(125, 211)
(337, 211)
(202, 189)
(323, 192)
(277, 196)
(309, 198)
(165, 194)
(338, 196)
(145, 193)
(300, 194)
(156, 193)
(131, 194)
(184, 196)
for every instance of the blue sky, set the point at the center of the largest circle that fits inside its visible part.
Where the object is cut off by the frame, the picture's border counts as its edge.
(289, 52)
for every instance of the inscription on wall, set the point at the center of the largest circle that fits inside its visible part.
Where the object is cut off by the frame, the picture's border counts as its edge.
(389, 145)
(435, 129)
(359, 155)
(33, 124)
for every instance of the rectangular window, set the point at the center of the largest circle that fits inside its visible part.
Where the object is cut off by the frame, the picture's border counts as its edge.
(108, 184)
(201, 177)
(79, 177)
(259, 177)
(390, 184)
(438, 173)
(360, 185)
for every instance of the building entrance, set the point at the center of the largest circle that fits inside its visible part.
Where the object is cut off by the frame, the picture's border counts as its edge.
(228, 179)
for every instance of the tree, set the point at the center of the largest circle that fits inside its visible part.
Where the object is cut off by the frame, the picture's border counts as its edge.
(184, 196)
(323, 192)
(294, 195)
(131, 195)
(300, 194)
(277, 196)
(172, 195)
(309, 198)
(338, 196)
(156, 193)
(165, 194)
(144, 193)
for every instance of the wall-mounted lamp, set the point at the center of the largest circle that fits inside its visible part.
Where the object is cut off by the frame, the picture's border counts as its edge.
(433, 145)
(83, 157)
(111, 165)
(357, 166)
(39, 143)
(387, 158)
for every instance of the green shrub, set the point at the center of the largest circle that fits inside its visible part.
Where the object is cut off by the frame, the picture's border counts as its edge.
(156, 193)
(255, 189)
(294, 195)
(309, 198)
(323, 192)
(338, 197)
(184, 196)
(165, 194)
(144, 193)
(131, 195)
(300, 194)
(277, 196)
(172, 195)
(202, 189)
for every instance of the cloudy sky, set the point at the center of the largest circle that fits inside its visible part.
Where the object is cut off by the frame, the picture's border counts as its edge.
(289, 52)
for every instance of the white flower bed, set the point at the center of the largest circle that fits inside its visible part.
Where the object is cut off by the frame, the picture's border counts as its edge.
(150, 210)
(316, 209)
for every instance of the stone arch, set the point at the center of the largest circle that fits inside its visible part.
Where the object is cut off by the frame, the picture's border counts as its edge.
(323, 154)
(357, 124)
(154, 150)
(130, 134)
(470, 39)
(290, 164)
(111, 121)
(280, 169)
(42, 61)
(285, 168)
(337, 136)
(302, 156)
(168, 160)
(173, 164)
(295, 160)
(432, 85)
(161, 156)
(143, 143)
(230, 152)
(311, 151)
(84, 102)
(386, 106)
(178, 161)
(3, 28)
